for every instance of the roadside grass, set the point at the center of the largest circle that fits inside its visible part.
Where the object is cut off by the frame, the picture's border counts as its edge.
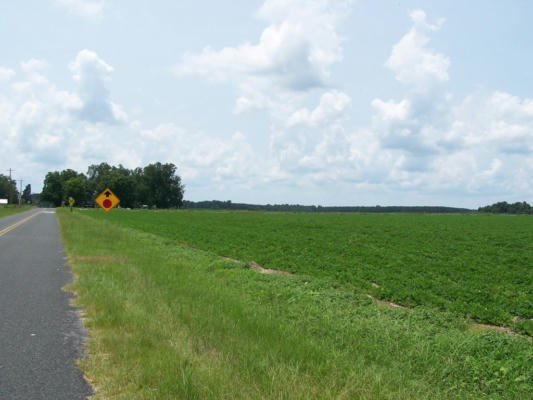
(11, 210)
(171, 322)
(479, 266)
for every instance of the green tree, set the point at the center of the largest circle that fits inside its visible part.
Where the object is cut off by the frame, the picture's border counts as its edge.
(52, 188)
(26, 194)
(97, 179)
(120, 180)
(8, 189)
(75, 187)
(160, 186)
(67, 174)
(156, 185)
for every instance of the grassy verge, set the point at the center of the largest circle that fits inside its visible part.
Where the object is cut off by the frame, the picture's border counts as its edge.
(10, 210)
(171, 322)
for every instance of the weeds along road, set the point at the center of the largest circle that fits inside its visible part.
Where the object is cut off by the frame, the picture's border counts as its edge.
(41, 335)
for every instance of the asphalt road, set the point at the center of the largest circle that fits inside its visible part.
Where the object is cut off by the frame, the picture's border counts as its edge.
(41, 335)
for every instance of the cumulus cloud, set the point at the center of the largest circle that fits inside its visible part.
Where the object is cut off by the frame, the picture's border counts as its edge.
(430, 143)
(419, 124)
(83, 8)
(202, 156)
(282, 56)
(498, 121)
(6, 74)
(47, 128)
(391, 110)
(412, 61)
(34, 66)
(424, 143)
(92, 74)
(294, 54)
(332, 105)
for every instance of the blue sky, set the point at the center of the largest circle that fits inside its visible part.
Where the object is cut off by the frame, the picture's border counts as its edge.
(276, 101)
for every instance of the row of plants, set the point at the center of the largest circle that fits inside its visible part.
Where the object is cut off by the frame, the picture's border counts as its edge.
(475, 265)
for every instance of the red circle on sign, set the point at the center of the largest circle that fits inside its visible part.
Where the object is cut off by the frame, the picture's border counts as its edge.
(107, 203)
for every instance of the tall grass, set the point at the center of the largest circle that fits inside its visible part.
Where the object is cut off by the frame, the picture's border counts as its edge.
(169, 322)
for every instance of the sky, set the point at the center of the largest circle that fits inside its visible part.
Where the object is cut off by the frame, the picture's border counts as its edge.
(346, 102)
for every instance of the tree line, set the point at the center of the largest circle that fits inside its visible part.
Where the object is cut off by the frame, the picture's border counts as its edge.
(8, 191)
(503, 207)
(228, 205)
(155, 185)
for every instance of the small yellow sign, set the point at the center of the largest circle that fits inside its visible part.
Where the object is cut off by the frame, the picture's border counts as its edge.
(71, 201)
(107, 200)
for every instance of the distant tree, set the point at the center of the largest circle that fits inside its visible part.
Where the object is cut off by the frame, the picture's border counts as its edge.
(75, 188)
(52, 188)
(26, 194)
(156, 185)
(160, 186)
(96, 179)
(8, 189)
(35, 198)
(503, 207)
(67, 174)
(120, 180)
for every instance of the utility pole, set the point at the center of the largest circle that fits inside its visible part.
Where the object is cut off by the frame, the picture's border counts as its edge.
(20, 193)
(10, 189)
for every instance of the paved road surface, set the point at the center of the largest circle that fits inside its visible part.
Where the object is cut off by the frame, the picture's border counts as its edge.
(41, 336)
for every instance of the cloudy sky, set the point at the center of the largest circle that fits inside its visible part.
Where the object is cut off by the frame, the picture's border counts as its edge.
(346, 102)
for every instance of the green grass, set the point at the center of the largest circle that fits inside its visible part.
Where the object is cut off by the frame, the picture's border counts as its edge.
(171, 322)
(11, 210)
(474, 265)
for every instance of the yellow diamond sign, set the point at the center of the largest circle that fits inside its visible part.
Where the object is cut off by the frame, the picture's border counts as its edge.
(107, 200)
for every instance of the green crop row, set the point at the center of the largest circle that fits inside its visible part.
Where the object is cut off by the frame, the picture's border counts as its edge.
(475, 265)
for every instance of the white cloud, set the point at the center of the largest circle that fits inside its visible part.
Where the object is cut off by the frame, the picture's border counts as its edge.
(83, 8)
(34, 66)
(294, 54)
(203, 157)
(6, 74)
(332, 105)
(426, 143)
(282, 56)
(92, 75)
(432, 145)
(420, 143)
(499, 121)
(420, 123)
(391, 110)
(411, 60)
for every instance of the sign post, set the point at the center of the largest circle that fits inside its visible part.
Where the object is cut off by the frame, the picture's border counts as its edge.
(71, 202)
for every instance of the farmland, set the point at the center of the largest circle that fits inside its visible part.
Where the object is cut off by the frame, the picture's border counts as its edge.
(172, 321)
(472, 265)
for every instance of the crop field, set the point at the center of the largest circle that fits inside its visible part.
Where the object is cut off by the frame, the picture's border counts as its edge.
(479, 266)
(168, 321)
